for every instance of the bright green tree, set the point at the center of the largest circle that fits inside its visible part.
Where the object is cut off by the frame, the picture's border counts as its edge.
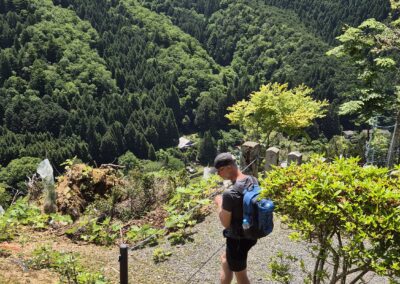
(373, 48)
(275, 107)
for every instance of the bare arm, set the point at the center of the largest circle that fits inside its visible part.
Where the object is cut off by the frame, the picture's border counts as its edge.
(224, 215)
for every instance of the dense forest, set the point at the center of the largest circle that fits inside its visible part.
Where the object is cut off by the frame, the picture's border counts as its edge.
(98, 78)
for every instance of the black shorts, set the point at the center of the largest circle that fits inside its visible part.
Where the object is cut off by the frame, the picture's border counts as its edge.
(236, 253)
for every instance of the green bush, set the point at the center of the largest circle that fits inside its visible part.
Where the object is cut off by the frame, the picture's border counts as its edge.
(15, 173)
(99, 233)
(136, 234)
(349, 213)
(129, 161)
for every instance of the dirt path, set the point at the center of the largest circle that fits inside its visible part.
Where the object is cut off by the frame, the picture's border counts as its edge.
(185, 259)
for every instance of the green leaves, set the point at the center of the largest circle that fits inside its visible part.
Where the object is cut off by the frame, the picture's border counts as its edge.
(275, 107)
(328, 202)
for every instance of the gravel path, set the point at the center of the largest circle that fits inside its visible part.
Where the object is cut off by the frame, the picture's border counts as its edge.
(186, 259)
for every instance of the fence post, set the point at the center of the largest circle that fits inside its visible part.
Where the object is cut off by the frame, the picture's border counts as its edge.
(123, 263)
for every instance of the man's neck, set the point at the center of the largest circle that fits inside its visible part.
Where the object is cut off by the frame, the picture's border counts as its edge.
(239, 176)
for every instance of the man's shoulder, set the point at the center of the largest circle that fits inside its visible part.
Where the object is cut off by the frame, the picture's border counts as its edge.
(244, 183)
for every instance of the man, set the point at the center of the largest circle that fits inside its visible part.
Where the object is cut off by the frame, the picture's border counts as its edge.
(230, 211)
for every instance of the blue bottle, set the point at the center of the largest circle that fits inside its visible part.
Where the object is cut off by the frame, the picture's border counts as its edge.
(245, 224)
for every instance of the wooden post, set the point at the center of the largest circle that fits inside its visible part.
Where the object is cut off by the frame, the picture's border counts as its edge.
(250, 153)
(295, 157)
(271, 158)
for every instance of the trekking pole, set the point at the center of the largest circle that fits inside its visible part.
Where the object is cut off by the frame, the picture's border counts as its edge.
(123, 263)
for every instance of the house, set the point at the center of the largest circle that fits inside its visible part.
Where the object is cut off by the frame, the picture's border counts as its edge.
(184, 143)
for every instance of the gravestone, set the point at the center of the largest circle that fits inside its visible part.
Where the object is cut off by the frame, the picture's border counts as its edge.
(249, 156)
(295, 157)
(271, 158)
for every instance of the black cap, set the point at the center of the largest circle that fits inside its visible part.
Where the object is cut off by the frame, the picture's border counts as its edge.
(224, 159)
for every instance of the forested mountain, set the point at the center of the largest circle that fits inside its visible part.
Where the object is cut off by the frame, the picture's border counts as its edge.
(327, 17)
(98, 78)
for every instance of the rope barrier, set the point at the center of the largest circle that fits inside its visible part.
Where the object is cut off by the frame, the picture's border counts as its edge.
(204, 263)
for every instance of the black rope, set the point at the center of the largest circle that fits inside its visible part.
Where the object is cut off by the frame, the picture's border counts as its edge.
(204, 263)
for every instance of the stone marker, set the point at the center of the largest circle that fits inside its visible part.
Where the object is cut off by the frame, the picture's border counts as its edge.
(271, 158)
(295, 157)
(250, 152)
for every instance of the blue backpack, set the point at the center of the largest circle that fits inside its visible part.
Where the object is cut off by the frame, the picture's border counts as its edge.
(257, 214)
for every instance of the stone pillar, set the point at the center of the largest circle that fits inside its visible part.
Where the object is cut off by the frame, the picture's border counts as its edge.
(250, 152)
(271, 158)
(295, 157)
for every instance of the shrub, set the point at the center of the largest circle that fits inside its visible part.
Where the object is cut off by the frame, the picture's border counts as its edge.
(14, 175)
(349, 213)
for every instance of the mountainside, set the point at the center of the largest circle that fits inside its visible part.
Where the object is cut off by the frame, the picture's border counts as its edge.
(98, 78)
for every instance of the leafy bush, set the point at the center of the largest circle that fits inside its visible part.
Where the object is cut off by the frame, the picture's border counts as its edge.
(136, 234)
(66, 264)
(14, 175)
(152, 166)
(129, 161)
(348, 212)
(99, 233)
(171, 159)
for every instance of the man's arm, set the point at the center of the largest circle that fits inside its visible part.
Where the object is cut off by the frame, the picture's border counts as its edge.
(224, 215)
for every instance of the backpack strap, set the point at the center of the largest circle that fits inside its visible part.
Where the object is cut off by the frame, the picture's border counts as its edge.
(248, 196)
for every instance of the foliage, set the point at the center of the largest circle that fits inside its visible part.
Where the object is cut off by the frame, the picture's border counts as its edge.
(21, 213)
(207, 149)
(98, 232)
(160, 255)
(372, 48)
(15, 173)
(136, 234)
(184, 208)
(276, 108)
(347, 212)
(129, 161)
(280, 266)
(5, 197)
(67, 265)
(378, 147)
(169, 159)
(326, 18)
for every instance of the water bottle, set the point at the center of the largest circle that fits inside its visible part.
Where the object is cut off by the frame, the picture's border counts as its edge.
(265, 209)
(245, 224)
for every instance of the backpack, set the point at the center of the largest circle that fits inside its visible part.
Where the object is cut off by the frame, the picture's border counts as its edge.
(258, 213)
